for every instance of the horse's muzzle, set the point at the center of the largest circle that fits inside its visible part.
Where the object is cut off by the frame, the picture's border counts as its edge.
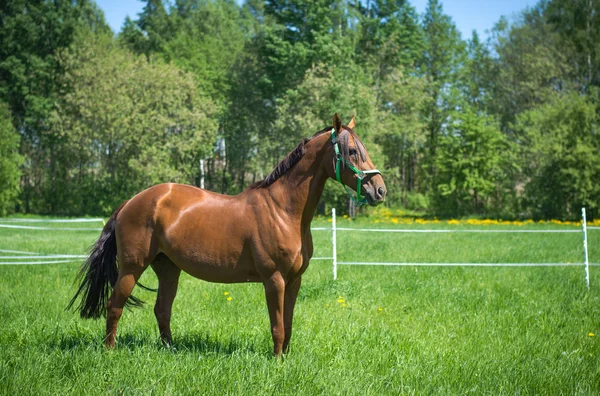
(375, 195)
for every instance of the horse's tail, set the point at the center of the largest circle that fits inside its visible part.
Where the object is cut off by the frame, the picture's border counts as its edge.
(99, 273)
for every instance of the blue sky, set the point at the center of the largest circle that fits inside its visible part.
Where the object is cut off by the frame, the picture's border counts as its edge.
(480, 15)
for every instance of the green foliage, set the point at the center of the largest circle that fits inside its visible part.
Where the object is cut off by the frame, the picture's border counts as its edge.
(473, 161)
(118, 136)
(390, 36)
(31, 34)
(10, 162)
(402, 133)
(441, 61)
(202, 37)
(561, 156)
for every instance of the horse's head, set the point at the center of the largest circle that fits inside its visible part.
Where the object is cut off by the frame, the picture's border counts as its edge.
(352, 165)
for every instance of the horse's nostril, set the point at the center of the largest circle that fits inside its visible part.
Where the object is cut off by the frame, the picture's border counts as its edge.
(381, 191)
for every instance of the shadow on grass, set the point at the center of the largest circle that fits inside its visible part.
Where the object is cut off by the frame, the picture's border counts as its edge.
(186, 343)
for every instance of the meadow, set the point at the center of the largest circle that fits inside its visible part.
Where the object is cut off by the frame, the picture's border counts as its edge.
(376, 330)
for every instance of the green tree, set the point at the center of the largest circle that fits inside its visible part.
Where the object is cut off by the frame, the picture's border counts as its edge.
(31, 34)
(151, 31)
(531, 66)
(118, 136)
(577, 23)
(402, 134)
(474, 158)
(440, 65)
(208, 38)
(560, 149)
(390, 36)
(10, 162)
(478, 74)
(208, 43)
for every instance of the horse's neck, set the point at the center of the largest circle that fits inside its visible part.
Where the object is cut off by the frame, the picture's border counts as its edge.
(299, 190)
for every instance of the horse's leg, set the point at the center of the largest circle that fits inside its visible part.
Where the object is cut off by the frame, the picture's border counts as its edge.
(274, 291)
(128, 276)
(168, 279)
(291, 293)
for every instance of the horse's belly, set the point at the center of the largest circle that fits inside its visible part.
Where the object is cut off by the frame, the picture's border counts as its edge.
(212, 267)
(219, 274)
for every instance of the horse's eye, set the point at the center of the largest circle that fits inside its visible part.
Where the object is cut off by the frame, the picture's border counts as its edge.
(352, 151)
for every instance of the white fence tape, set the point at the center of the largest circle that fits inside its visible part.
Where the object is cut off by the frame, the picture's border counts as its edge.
(17, 220)
(49, 228)
(54, 256)
(37, 262)
(449, 231)
(15, 251)
(466, 264)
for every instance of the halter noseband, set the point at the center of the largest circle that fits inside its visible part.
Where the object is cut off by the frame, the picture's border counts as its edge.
(360, 174)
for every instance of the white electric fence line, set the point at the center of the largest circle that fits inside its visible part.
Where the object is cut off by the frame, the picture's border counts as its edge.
(448, 231)
(37, 262)
(17, 220)
(49, 228)
(16, 251)
(462, 264)
(329, 229)
(55, 256)
(90, 229)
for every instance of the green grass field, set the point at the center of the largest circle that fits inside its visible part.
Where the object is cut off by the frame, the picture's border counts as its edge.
(376, 330)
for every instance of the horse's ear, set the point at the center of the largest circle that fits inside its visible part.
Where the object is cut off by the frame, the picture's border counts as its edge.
(352, 123)
(337, 123)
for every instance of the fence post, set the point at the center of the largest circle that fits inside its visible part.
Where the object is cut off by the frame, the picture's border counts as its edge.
(334, 240)
(585, 249)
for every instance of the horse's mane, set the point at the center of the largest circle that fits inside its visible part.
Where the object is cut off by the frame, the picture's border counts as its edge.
(298, 152)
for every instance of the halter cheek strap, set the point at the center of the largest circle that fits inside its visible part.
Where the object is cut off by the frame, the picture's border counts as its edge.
(360, 174)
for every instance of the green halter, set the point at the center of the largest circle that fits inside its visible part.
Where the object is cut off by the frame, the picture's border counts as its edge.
(360, 174)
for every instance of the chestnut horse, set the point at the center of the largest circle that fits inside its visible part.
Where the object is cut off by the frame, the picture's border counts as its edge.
(261, 235)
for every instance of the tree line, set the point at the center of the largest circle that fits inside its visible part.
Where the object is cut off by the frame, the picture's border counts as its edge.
(502, 127)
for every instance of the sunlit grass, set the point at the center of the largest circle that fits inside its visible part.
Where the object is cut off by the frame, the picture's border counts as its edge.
(398, 330)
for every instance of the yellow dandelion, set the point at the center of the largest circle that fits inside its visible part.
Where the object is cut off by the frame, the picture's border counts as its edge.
(340, 300)
(226, 293)
(591, 334)
(344, 305)
(229, 298)
(326, 305)
(380, 309)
